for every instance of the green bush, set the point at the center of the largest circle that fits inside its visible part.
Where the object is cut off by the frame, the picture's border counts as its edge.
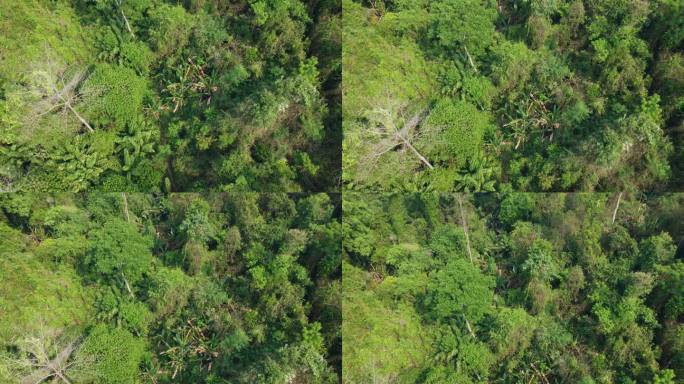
(457, 132)
(113, 95)
(463, 25)
(116, 354)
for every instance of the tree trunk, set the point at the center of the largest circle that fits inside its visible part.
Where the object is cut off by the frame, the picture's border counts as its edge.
(421, 157)
(128, 25)
(128, 286)
(61, 376)
(617, 205)
(470, 329)
(125, 202)
(470, 59)
(81, 119)
(464, 223)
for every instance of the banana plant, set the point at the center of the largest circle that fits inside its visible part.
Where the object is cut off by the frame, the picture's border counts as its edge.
(135, 144)
(192, 81)
(15, 154)
(79, 163)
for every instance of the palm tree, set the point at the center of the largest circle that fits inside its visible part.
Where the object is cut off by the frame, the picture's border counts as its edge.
(477, 176)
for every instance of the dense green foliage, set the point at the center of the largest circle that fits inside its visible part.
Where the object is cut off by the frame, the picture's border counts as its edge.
(154, 95)
(513, 288)
(130, 288)
(533, 95)
(454, 111)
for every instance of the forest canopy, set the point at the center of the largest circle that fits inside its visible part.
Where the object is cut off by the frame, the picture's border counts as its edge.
(154, 95)
(513, 288)
(131, 288)
(483, 95)
(170, 177)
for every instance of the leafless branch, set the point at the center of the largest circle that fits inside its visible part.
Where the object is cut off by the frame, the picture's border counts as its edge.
(393, 136)
(38, 358)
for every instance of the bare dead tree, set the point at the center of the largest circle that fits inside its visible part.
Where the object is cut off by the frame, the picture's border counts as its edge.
(68, 88)
(386, 124)
(56, 91)
(67, 104)
(50, 354)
